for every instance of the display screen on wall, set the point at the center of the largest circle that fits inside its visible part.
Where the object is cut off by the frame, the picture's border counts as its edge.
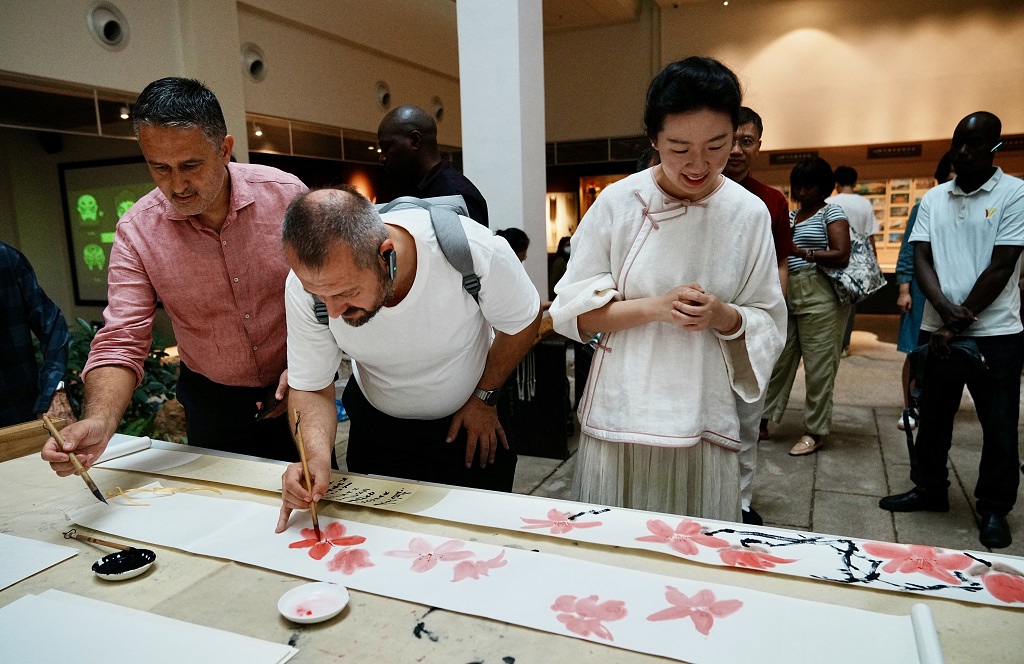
(96, 194)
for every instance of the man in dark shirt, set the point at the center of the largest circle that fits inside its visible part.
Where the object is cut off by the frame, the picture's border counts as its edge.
(26, 389)
(407, 137)
(745, 146)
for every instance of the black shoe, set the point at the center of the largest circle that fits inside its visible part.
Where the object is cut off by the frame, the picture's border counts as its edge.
(752, 518)
(916, 500)
(994, 532)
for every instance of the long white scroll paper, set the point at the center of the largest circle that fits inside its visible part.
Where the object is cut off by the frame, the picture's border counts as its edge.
(650, 613)
(967, 576)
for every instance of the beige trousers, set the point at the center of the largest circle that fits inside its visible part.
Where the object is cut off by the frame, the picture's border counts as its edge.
(817, 321)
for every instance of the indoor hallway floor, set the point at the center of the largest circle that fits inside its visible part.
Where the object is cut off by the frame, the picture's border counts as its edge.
(836, 490)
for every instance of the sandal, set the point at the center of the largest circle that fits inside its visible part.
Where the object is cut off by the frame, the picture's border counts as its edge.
(806, 445)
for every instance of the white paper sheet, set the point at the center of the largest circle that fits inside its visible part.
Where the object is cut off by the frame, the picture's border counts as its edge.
(20, 558)
(96, 632)
(121, 445)
(656, 614)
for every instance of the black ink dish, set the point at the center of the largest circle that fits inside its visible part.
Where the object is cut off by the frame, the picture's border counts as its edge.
(122, 565)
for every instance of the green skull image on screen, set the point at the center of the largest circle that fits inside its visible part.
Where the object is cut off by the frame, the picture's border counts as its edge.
(88, 210)
(94, 257)
(125, 200)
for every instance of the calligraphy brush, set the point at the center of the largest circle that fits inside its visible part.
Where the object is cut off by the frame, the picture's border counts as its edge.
(305, 471)
(48, 423)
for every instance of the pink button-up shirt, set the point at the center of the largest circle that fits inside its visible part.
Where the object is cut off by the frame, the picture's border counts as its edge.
(224, 292)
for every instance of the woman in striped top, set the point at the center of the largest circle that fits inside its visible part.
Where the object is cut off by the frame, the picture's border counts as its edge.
(821, 236)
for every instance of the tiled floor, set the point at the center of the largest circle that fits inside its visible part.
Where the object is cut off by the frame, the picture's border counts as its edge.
(837, 489)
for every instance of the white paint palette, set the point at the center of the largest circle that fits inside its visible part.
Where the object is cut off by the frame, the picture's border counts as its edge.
(313, 602)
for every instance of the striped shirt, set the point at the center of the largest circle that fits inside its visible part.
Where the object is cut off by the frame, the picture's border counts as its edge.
(811, 234)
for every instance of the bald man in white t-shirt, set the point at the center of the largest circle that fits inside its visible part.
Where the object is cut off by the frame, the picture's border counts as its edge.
(429, 361)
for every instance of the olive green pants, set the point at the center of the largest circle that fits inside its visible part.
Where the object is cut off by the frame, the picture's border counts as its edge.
(814, 332)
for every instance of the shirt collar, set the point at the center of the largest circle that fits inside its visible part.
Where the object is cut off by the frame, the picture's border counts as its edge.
(241, 195)
(989, 185)
(432, 174)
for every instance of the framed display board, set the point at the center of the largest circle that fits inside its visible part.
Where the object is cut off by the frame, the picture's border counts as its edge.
(95, 194)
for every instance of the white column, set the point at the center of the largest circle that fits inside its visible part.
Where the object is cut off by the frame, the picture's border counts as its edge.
(501, 79)
(211, 53)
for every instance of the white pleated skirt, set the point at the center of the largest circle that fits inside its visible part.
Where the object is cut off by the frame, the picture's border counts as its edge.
(700, 481)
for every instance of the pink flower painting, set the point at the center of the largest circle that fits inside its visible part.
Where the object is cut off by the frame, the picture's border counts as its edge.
(334, 535)
(427, 557)
(752, 558)
(1003, 582)
(558, 522)
(349, 561)
(683, 539)
(474, 569)
(702, 608)
(910, 558)
(584, 616)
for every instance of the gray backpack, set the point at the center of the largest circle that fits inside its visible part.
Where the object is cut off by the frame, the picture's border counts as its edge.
(451, 237)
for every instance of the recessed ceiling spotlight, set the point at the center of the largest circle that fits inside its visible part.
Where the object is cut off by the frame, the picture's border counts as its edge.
(124, 113)
(257, 130)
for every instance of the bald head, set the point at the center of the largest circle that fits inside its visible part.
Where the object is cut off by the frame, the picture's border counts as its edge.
(407, 137)
(405, 120)
(316, 221)
(972, 148)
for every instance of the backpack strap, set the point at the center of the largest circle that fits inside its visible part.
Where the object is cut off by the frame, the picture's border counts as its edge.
(451, 236)
(320, 311)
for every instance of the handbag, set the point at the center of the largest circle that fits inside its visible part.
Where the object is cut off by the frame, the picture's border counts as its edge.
(861, 277)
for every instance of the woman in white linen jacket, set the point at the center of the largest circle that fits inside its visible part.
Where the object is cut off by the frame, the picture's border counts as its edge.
(675, 266)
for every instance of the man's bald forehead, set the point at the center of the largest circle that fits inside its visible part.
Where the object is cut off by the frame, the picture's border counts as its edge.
(982, 122)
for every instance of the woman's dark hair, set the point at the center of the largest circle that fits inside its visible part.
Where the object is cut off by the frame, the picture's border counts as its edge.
(813, 172)
(944, 168)
(562, 244)
(692, 84)
(517, 239)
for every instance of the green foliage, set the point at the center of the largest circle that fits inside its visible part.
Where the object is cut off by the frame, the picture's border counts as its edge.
(158, 383)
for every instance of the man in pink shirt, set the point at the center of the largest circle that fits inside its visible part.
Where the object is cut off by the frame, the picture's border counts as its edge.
(206, 243)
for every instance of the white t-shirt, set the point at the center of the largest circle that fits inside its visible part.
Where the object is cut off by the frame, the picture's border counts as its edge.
(962, 230)
(422, 358)
(858, 211)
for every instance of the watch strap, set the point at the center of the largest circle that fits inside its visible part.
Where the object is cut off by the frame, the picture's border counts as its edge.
(489, 397)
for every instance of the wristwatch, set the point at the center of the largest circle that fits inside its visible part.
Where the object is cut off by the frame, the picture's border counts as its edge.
(489, 397)
(60, 387)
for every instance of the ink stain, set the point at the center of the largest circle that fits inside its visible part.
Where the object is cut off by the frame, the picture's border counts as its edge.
(295, 639)
(508, 660)
(420, 630)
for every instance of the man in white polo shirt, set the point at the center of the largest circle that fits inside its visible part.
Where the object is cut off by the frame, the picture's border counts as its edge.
(429, 360)
(968, 241)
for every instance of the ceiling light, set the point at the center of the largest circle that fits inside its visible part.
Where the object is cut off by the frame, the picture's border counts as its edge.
(256, 130)
(124, 113)
(369, 147)
(726, 3)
